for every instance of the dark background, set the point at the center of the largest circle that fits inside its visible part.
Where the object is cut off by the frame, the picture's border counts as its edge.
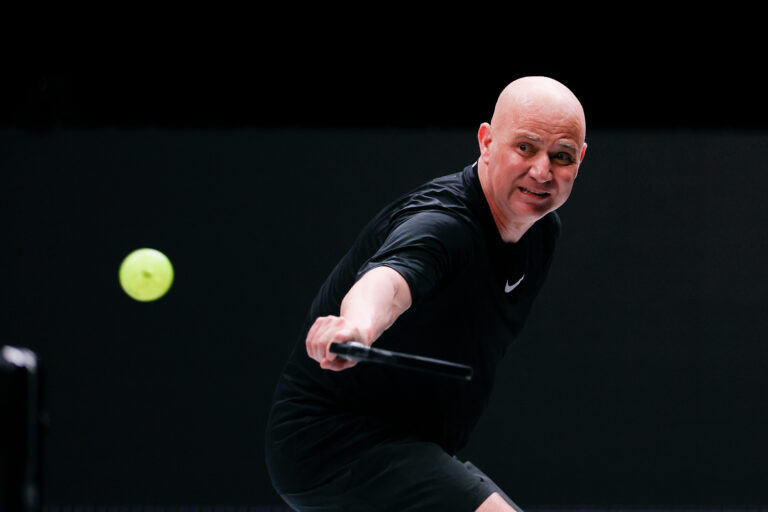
(641, 377)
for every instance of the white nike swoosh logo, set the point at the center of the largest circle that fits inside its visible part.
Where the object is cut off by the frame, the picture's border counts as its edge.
(508, 288)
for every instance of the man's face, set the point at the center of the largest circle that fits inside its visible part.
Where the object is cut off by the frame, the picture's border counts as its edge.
(532, 159)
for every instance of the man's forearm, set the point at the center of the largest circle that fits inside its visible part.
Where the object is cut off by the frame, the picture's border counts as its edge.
(376, 301)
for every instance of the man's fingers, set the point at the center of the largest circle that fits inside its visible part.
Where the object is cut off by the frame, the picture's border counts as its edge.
(324, 331)
(337, 364)
(316, 346)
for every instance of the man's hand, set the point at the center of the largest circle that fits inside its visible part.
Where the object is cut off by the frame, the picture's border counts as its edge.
(370, 307)
(327, 330)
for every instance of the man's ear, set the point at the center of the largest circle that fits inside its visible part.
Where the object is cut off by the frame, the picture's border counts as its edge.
(484, 140)
(583, 152)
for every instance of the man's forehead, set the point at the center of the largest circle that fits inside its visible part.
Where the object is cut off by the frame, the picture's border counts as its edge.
(562, 140)
(559, 120)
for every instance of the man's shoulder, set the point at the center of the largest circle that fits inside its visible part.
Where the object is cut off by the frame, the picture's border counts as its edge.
(547, 231)
(553, 224)
(452, 194)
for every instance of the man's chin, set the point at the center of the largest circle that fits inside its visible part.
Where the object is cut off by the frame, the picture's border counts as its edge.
(531, 211)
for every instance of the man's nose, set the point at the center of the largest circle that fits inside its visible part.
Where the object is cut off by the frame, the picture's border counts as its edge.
(540, 168)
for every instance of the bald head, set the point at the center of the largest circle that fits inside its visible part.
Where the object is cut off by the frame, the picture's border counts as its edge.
(530, 152)
(542, 97)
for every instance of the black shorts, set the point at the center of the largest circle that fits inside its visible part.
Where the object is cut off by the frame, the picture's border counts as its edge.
(399, 475)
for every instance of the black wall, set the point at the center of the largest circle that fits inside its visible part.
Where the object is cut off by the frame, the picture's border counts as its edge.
(640, 378)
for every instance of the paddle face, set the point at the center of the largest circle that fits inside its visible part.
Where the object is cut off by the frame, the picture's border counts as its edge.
(355, 351)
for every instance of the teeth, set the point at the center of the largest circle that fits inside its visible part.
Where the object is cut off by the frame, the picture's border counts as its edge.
(534, 193)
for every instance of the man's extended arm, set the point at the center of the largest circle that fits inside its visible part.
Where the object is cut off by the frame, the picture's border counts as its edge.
(369, 308)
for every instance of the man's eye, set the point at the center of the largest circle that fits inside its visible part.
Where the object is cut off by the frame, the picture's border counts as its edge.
(563, 157)
(523, 147)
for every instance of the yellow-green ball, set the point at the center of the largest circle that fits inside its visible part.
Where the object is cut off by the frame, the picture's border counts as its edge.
(146, 274)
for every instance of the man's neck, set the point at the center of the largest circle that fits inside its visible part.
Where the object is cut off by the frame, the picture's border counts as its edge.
(511, 232)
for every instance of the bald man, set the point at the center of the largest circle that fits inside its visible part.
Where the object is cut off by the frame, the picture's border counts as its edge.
(450, 271)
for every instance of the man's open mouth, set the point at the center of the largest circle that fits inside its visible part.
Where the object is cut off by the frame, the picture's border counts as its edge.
(532, 193)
